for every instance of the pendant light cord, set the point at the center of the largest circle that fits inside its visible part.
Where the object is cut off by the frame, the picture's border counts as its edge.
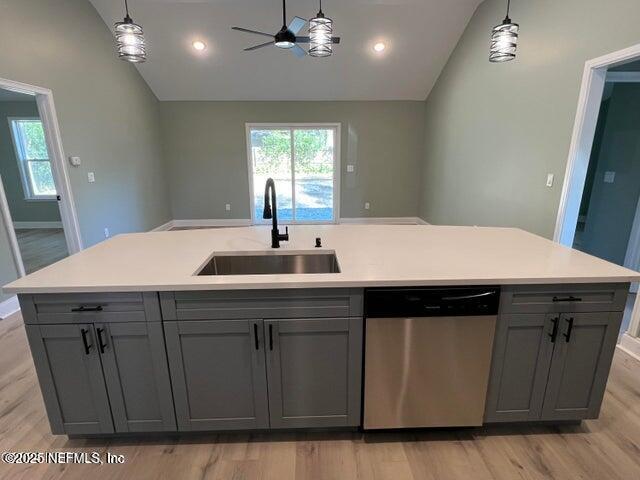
(126, 7)
(507, 19)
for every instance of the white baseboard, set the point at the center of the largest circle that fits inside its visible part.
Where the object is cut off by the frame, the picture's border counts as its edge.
(34, 225)
(164, 227)
(630, 345)
(245, 222)
(9, 307)
(384, 220)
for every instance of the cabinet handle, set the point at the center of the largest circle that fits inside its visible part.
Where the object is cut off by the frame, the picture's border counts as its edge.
(554, 332)
(255, 336)
(82, 308)
(101, 344)
(271, 336)
(567, 335)
(570, 298)
(87, 347)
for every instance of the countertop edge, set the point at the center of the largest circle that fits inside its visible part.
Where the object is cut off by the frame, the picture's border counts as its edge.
(319, 284)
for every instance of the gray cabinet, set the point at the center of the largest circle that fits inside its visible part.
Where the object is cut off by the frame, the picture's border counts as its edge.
(314, 372)
(68, 366)
(580, 365)
(520, 367)
(101, 362)
(135, 370)
(552, 354)
(218, 374)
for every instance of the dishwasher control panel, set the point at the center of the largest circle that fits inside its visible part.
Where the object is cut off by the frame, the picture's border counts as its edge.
(431, 301)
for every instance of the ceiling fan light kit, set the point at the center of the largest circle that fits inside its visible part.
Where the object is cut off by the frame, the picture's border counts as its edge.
(130, 42)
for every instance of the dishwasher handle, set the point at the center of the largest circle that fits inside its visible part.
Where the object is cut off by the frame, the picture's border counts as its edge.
(469, 297)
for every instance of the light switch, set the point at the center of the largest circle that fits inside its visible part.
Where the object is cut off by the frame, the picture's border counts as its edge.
(550, 180)
(609, 177)
(227, 207)
(75, 161)
(350, 168)
(91, 177)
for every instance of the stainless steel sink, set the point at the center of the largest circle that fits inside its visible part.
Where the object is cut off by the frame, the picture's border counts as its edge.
(265, 264)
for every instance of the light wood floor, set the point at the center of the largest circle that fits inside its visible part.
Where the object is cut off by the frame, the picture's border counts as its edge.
(603, 449)
(41, 247)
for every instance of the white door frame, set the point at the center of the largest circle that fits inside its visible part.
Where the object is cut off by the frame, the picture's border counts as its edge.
(584, 129)
(68, 214)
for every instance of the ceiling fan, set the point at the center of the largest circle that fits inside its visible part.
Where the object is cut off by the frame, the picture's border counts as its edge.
(286, 37)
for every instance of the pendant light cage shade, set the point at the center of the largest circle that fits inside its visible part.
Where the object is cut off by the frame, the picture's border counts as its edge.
(504, 41)
(130, 39)
(320, 32)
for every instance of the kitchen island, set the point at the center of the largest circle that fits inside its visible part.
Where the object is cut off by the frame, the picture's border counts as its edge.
(127, 337)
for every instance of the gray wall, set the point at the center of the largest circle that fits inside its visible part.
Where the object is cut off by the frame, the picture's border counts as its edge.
(493, 131)
(21, 210)
(612, 206)
(206, 154)
(108, 115)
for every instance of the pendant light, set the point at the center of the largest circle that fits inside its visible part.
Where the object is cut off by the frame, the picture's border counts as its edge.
(504, 40)
(130, 39)
(320, 31)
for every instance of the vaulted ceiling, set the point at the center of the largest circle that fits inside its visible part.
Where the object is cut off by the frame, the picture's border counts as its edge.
(419, 34)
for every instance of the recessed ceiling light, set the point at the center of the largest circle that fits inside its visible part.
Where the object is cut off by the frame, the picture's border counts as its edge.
(198, 45)
(379, 47)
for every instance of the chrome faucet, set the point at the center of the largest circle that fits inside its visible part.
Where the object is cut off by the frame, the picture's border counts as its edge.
(276, 236)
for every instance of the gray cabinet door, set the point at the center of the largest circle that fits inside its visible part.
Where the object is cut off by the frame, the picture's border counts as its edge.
(70, 374)
(580, 366)
(314, 368)
(218, 374)
(137, 376)
(522, 355)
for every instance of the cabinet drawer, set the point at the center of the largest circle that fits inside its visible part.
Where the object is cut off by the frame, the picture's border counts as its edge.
(609, 297)
(263, 304)
(90, 307)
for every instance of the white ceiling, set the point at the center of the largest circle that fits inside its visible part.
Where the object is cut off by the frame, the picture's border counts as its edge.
(420, 35)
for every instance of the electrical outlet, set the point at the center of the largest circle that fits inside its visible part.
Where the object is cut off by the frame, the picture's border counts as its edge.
(350, 168)
(227, 207)
(550, 180)
(367, 205)
(609, 177)
(106, 232)
(91, 177)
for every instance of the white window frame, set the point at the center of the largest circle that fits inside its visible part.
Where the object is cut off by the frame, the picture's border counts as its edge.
(25, 176)
(336, 168)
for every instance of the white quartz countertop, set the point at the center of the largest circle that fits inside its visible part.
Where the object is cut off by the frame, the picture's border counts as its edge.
(368, 255)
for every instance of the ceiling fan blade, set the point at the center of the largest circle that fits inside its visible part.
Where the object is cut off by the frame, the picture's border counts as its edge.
(255, 47)
(298, 51)
(251, 31)
(307, 39)
(296, 24)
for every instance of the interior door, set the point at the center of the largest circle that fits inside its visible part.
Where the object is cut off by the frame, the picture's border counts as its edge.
(68, 364)
(314, 372)
(580, 365)
(218, 374)
(137, 376)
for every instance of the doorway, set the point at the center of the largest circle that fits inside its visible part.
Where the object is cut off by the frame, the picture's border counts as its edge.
(599, 211)
(37, 208)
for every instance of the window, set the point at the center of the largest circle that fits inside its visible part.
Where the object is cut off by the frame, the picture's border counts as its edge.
(302, 159)
(33, 159)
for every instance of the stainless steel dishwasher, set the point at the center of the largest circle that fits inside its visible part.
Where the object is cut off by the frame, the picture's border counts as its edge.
(427, 355)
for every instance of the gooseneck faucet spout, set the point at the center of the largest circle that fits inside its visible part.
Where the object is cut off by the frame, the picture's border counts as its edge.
(271, 211)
